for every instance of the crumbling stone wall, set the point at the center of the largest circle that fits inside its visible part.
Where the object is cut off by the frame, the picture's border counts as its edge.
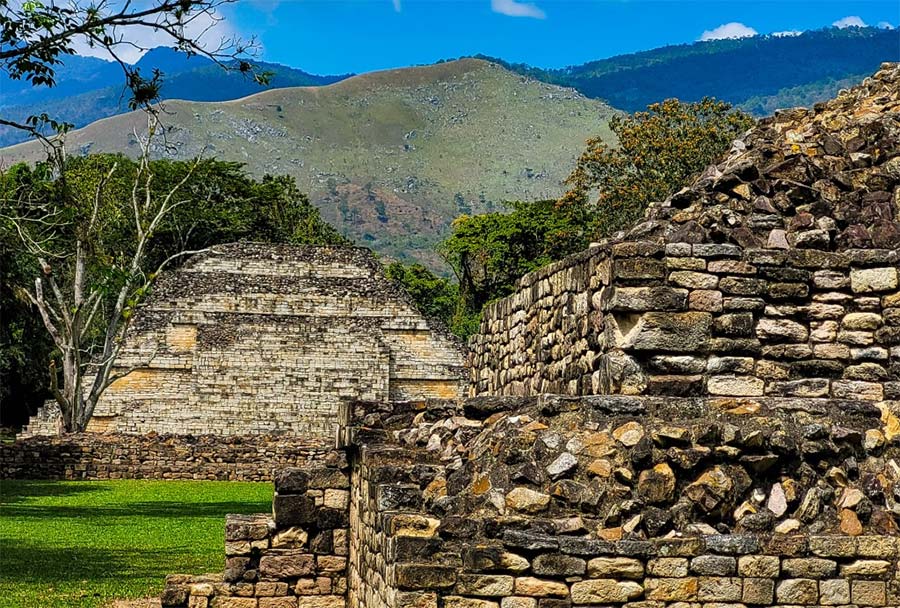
(586, 501)
(774, 273)
(93, 456)
(253, 339)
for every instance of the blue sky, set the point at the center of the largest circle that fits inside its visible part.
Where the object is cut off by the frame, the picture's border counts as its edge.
(338, 36)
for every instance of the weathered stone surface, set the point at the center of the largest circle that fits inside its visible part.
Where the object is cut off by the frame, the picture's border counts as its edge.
(527, 500)
(605, 590)
(615, 567)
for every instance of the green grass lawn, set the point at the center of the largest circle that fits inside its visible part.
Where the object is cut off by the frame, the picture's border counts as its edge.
(85, 543)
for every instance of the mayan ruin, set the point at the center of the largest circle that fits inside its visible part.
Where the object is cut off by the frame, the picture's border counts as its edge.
(470, 333)
(701, 412)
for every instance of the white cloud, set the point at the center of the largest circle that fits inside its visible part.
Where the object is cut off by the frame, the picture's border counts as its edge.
(849, 21)
(397, 5)
(885, 25)
(787, 33)
(729, 30)
(513, 8)
(212, 31)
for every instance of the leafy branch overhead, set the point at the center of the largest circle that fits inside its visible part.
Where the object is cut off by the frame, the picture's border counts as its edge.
(35, 38)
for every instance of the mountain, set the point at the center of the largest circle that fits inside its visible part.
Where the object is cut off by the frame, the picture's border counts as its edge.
(89, 89)
(758, 74)
(391, 157)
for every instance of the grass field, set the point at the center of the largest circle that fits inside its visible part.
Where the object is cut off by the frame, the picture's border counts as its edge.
(86, 543)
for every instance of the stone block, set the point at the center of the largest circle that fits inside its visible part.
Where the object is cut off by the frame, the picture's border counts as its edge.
(719, 589)
(291, 480)
(455, 601)
(868, 593)
(682, 589)
(233, 602)
(321, 601)
(643, 299)
(485, 585)
(713, 565)
(293, 510)
(834, 592)
(869, 280)
(415, 599)
(423, 576)
(797, 591)
(602, 591)
(809, 567)
(759, 591)
(537, 587)
(277, 602)
(286, 565)
(515, 601)
(615, 567)
(863, 568)
(668, 567)
(759, 566)
(680, 332)
(558, 564)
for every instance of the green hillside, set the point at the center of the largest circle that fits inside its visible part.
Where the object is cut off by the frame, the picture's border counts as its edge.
(80, 100)
(758, 74)
(390, 157)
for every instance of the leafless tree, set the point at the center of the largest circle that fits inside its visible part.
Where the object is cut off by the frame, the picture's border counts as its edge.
(74, 305)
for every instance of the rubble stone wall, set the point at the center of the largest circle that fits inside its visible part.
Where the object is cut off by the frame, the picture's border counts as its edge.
(703, 319)
(92, 456)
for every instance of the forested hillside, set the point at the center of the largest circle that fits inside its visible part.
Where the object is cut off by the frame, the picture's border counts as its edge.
(758, 74)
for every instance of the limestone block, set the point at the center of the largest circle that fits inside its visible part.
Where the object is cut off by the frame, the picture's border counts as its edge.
(870, 280)
(615, 567)
(601, 591)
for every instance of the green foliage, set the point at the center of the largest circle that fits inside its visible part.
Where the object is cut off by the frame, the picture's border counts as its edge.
(658, 151)
(55, 555)
(490, 252)
(219, 203)
(434, 296)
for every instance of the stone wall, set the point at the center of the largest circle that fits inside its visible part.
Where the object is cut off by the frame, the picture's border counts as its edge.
(557, 501)
(776, 272)
(254, 339)
(294, 558)
(682, 319)
(91, 456)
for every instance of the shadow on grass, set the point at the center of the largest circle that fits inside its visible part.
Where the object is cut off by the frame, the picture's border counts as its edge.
(24, 563)
(166, 509)
(14, 491)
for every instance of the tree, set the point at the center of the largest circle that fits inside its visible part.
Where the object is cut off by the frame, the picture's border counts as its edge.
(88, 280)
(223, 205)
(490, 252)
(658, 151)
(435, 297)
(35, 37)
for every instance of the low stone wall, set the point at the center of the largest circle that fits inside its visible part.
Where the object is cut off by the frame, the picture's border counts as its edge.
(119, 456)
(296, 558)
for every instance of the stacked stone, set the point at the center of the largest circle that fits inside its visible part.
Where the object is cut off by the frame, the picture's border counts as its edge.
(122, 456)
(683, 319)
(255, 339)
(295, 559)
(643, 467)
(531, 569)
